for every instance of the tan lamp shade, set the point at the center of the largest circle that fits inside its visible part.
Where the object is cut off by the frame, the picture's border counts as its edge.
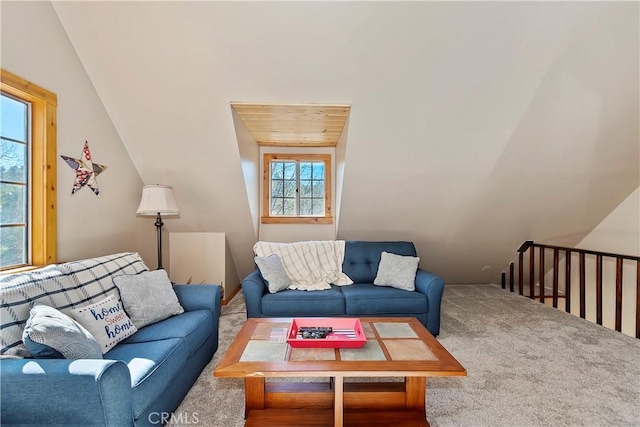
(157, 199)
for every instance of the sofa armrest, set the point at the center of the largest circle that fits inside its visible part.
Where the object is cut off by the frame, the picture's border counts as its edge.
(199, 297)
(64, 391)
(432, 286)
(253, 288)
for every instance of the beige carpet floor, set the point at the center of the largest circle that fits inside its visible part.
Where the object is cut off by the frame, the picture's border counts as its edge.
(527, 364)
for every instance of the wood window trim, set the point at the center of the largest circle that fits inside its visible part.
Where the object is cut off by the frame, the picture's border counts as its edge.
(43, 171)
(266, 189)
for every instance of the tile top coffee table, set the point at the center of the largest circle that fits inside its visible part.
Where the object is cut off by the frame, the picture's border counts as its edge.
(395, 347)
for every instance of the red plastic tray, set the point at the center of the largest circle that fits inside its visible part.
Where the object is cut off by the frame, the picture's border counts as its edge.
(334, 339)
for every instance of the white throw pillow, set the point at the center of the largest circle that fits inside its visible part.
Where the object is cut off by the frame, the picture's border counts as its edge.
(106, 320)
(397, 271)
(148, 297)
(51, 334)
(273, 272)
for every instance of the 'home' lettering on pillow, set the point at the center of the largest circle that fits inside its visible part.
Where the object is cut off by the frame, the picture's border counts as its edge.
(107, 321)
(118, 329)
(105, 312)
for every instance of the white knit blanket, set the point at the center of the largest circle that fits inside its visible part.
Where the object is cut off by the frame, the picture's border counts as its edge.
(311, 266)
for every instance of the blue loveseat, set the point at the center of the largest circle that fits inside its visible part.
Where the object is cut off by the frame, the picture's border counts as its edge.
(361, 299)
(140, 381)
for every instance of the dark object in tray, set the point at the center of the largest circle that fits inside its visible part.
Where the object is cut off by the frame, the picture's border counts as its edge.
(314, 332)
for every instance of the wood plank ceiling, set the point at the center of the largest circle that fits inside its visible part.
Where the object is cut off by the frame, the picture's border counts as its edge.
(293, 125)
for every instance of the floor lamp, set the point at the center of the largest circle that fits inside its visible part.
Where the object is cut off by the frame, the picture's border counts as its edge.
(157, 200)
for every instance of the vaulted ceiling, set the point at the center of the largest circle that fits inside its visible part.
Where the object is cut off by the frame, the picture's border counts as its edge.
(473, 125)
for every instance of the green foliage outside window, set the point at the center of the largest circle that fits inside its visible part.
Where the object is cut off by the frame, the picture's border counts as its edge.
(13, 182)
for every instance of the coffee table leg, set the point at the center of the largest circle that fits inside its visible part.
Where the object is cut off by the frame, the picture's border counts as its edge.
(338, 401)
(415, 393)
(254, 394)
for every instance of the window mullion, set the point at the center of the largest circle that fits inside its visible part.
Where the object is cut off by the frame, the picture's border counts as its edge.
(297, 187)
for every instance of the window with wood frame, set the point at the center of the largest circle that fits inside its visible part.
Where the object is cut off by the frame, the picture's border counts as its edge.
(297, 189)
(27, 173)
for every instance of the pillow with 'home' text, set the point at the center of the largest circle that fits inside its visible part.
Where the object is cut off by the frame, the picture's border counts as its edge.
(106, 320)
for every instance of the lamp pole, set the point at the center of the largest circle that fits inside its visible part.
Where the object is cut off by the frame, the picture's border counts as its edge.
(159, 225)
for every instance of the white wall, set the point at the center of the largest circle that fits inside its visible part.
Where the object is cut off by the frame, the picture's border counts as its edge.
(250, 158)
(203, 258)
(473, 125)
(35, 47)
(618, 233)
(340, 165)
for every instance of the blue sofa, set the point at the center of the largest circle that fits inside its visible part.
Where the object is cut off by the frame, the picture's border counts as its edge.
(361, 299)
(139, 382)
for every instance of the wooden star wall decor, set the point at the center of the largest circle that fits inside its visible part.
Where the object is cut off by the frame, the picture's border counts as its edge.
(86, 171)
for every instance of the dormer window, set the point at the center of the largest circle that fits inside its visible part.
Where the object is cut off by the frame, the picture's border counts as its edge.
(297, 188)
(297, 146)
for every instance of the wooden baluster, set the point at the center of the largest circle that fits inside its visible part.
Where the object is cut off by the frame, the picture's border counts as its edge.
(638, 299)
(541, 273)
(567, 281)
(520, 273)
(619, 294)
(511, 277)
(599, 289)
(532, 272)
(582, 286)
(556, 262)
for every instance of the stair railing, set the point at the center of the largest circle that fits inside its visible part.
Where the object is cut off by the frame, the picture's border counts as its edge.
(542, 270)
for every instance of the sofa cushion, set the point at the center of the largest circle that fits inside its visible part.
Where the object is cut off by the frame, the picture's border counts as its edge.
(292, 303)
(148, 297)
(361, 259)
(50, 333)
(367, 299)
(194, 327)
(153, 365)
(397, 271)
(106, 320)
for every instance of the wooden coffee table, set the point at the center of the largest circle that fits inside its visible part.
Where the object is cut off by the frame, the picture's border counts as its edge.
(395, 347)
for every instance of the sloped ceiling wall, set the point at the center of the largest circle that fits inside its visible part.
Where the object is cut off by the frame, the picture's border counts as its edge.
(35, 46)
(473, 126)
